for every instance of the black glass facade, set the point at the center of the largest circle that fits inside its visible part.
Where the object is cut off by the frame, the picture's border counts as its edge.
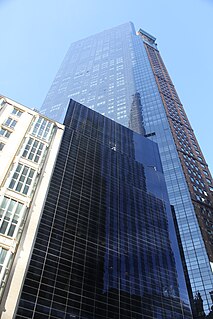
(106, 245)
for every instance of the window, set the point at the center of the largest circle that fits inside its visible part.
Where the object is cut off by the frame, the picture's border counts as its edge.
(4, 133)
(198, 197)
(2, 102)
(33, 150)
(42, 128)
(3, 254)
(17, 112)
(1, 146)
(10, 122)
(22, 179)
(10, 216)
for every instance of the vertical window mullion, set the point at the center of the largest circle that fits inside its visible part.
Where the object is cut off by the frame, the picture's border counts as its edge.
(31, 151)
(30, 146)
(17, 209)
(8, 220)
(37, 155)
(39, 152)
(41, 129)
(30, 179)
(5, 210)
(44, 134)
(18, 182)
(14, 178)
(4, 263)
(25, 181)
(27, 148)
(20, 217)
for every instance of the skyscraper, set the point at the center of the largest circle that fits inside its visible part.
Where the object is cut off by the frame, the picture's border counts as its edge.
(121, 74)
(106, 245)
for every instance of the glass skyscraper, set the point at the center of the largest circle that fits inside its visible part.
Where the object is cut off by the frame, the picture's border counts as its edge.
(106, 245)
(121, 75)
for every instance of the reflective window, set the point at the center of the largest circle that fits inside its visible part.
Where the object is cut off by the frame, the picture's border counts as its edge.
(5, 258)
(10, 214)
(17, 112)
(33, 150)
(22, 179)
(3, 253)
(1, 146)
(42, 128)
(4, 132)
(10, 122)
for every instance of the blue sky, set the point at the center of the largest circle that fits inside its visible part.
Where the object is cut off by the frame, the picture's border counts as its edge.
(35, 35)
